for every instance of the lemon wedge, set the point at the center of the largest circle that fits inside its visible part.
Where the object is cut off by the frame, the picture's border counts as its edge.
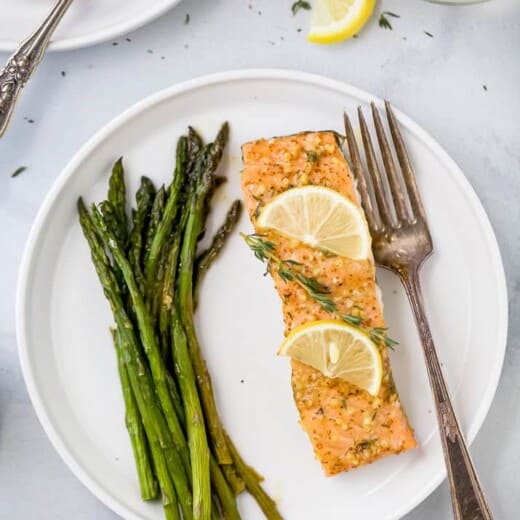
(337, 350)
(335, 20)
(319, 217)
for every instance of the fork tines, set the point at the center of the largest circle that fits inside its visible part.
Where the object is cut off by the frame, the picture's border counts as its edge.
(405, 204)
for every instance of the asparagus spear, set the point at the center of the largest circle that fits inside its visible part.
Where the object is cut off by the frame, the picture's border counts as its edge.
(197, 441)
(234, 480)
(166, 458)
(164, 227)
(265, 502)
(148, 338)
(115, 211)
(144, 198)
(154, 287)
(117, 197)
(156, 214)
(113, 221)
(206, 258)
(169, 496)
(167, 294)
(206, 166)
(226, 497)
(134, 425)
(194, 144)
(116, 225)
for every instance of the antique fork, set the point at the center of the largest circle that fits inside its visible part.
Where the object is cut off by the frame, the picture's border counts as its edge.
(401, 243)
(24, 61)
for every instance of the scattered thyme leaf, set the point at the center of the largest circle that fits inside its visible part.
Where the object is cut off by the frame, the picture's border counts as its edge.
(428, 34)
(356, 321)
(18, 171)
(384, 22)
(300, 4)
(187, 19)
(378, 335)
(363, 445)
(312, 156)
(292, 262)
(484, 87)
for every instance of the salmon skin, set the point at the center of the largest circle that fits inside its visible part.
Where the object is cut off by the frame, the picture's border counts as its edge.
(346, 425)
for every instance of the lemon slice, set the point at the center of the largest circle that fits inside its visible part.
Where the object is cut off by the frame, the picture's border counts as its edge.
(321, 218)
(337, 350)
(336, 20)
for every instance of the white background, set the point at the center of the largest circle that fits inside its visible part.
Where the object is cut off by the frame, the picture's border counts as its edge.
(438, 81)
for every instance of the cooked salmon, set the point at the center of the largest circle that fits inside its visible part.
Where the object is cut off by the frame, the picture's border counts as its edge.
(346, 425)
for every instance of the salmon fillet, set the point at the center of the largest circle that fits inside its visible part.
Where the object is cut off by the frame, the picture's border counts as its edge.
(346, 425)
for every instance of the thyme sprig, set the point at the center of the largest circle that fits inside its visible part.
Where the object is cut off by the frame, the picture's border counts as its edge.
(288, 271)
(384, 22)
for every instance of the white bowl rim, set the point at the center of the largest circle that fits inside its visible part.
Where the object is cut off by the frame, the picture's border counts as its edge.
(101, 35)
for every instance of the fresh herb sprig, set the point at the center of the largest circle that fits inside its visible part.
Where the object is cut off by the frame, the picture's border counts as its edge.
(288, 271)
(384, 22)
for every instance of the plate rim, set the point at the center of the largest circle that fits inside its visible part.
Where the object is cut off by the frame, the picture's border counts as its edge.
(29, 257)
(101, 35)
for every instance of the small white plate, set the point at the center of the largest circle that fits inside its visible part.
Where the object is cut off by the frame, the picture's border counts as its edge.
(87, 21)
(63, 319)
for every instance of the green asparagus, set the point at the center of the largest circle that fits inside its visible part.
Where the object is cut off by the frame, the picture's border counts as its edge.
(197, 441)
(165, 456)
(151, 280)
(206, 258)
(134, 425)
(164, 226)
(226, 496)
(206, 167)
(144, 199)
(156, 214)
(266, 503)
(147, 335)
(117, 196)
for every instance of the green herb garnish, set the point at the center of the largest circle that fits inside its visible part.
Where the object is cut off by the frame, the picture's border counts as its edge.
(288, 271)
(312, 156)
(383, 20)
(18, 171)
(300, 4)
(361, 446)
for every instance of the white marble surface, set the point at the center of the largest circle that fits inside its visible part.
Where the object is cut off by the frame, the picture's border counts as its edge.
(438, 81)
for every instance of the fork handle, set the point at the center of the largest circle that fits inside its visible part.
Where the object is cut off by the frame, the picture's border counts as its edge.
(468, 500)
(24, 61)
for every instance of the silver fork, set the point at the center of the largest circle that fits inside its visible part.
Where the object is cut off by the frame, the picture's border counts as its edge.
(401, 243)
(24, 61)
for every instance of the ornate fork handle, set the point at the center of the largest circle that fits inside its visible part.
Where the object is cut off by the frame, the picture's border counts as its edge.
(24, 61)
(468, 500)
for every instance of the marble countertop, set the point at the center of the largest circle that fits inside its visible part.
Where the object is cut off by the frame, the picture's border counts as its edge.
(461, 84)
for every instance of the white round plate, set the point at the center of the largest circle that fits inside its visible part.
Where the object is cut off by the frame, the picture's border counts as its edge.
(87, 21)
(63, 319)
